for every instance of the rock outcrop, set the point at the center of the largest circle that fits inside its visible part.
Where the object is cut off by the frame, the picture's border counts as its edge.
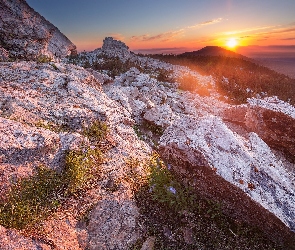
(110, 44)
(58, 102)
(208, 149)
(272, 119)
(25, 34)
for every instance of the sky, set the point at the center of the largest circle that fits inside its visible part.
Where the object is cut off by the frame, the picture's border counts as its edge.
(173, 26)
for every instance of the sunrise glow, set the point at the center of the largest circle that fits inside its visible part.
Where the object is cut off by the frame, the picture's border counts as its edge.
(223, 23)
(232, 43)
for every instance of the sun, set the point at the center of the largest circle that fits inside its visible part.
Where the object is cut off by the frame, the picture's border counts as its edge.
(232, 43)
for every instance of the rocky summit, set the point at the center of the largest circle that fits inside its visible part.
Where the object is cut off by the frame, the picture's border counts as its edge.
(25, 34)
(112, 150)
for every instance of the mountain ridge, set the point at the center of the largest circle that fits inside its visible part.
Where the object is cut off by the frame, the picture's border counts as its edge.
(214, 51)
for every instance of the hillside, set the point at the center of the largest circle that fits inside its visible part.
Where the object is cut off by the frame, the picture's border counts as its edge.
(238, 78)
(214, 51)
(111, 150)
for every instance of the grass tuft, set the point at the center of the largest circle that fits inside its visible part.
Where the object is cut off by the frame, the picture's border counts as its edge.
(80, 169)
(32, 199)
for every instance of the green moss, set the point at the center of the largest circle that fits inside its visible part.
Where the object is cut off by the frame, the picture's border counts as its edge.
(57, 128)
(31, 200)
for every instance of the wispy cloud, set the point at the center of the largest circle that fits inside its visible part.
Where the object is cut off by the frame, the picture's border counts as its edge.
(289, 38)
(284, 30)
(116, 36)
(210, 22)
(165, 36)
(170, 35)
(248, 30)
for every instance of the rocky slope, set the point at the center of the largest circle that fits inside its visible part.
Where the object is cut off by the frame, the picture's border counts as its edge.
(36, 101)
(28, 35)
(93, 134)
(223, 150)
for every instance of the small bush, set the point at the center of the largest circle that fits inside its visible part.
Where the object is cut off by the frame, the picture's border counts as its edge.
(54, 66)
(80, 169)
(43, 59)
(165, 76)
(191, 83)
(166, 189)
(96, 131)
(154, 128)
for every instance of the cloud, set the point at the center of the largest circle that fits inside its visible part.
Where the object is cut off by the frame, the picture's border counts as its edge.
(214, 21)
(248, 30)
(285, 30)
(170, 35)
(164, 37)
(116, 36)
(174, 50)
(289, 38)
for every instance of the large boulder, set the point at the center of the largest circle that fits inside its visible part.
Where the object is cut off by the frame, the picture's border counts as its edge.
(28, 35)
(272, 119)
(241, 173)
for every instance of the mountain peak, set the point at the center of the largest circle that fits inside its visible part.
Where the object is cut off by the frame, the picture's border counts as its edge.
(214, 51)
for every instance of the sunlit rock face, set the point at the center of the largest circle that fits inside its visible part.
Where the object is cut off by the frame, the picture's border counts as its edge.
(272, 119)
(247, 163)
(25, 34)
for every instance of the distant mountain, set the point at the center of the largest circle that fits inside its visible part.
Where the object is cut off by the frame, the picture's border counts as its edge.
(214, 51)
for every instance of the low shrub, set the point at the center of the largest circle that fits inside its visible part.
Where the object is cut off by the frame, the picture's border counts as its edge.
(43, 59)
(80, 169)
(35, 198)
(32, 199)
(96, 131)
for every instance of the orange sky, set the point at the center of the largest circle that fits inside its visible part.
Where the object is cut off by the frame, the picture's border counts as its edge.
(172, 24)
